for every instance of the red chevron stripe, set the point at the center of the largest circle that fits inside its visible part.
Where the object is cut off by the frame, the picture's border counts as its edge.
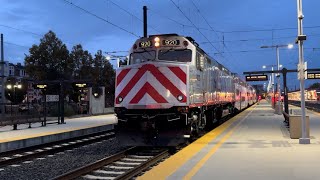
(179, 73)
(167, 83)
(131, 83)
(122, 75)
(159, 76)
(147, 88)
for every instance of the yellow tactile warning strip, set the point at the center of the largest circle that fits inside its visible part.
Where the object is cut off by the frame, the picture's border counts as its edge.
(196, 168)
(50, 133)
(172, 164)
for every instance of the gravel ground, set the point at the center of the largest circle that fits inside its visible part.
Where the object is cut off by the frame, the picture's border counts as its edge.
(50, 167)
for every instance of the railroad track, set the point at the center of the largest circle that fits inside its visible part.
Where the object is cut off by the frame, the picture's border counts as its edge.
(123, 165)
(20, 155)
(308, 105)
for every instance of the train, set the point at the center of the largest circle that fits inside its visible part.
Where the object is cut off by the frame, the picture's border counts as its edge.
(309, 94)
(171, 89)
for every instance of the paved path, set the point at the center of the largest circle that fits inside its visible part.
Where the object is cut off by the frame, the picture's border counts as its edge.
(255, 145)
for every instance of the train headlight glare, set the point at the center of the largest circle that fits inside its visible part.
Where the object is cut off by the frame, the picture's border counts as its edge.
(180, 97)
(120, 99)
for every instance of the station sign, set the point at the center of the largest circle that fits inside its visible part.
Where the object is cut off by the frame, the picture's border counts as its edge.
(257, 78)
(80, 85)
(313, 75)
(40, 86)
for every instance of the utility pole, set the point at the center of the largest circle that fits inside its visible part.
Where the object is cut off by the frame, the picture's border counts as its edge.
(278, 87)
(304, 139)
(145, 22)
(2, 79)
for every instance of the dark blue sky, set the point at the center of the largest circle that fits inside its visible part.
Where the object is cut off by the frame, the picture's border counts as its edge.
(266, 22)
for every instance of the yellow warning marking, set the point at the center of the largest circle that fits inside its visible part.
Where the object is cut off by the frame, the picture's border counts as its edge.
(52, 132)
(196, 168)
(170, 165)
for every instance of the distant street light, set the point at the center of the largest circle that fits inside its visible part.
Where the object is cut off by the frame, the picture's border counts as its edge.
(110, 56)
(10, 86)
(289, 46)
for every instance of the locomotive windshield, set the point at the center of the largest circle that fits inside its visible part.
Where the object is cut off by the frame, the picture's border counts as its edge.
(180, 55)
(140, 57)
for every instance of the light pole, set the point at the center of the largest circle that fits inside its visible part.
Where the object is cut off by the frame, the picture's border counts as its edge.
(2, 79)
(272, 82)
(301, 37)
(289, 46)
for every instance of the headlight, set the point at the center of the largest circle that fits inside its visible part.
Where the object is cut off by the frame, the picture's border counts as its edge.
(120, 99)
(180, 97)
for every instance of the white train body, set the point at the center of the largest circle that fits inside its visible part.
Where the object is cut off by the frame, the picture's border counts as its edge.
(170, 76)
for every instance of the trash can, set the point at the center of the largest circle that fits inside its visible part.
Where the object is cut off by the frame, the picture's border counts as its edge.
(295, 126)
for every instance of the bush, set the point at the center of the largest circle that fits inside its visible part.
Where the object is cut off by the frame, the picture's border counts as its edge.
(68, 110)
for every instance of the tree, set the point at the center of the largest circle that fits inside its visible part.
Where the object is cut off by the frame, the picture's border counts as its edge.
(13, 92)
(104, 75)
(315, 86)
(81, 63)
(49, 60)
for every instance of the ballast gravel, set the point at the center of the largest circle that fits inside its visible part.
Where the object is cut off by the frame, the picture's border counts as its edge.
(58, 164)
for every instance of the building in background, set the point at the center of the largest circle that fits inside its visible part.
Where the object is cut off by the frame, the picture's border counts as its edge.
(18, 71)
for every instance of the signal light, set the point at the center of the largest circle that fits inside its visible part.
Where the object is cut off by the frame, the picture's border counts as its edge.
(134, 46)
(156, 41)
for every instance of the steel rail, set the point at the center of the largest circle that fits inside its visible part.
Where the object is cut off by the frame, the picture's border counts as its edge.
(109, 160)
(15, 159)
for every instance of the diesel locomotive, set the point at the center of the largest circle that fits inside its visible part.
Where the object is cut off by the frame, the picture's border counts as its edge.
(171, 89)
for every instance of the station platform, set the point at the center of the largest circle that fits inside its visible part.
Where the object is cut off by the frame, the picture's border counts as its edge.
(26, 137)
(255, 144)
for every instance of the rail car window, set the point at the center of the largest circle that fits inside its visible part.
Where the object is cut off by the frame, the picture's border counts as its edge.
(180, 55)
(140, 57)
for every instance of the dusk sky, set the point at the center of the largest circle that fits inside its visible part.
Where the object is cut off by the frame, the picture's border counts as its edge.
(237, 28)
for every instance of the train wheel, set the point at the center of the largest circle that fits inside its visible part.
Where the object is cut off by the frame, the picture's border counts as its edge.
(203, 120)
(194, 126)
(218, 115)
(209, 120)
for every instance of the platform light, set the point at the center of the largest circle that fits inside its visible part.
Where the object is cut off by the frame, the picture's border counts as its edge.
(81, 85)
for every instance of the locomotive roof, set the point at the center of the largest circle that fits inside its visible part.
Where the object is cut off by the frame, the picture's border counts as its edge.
(221, 67)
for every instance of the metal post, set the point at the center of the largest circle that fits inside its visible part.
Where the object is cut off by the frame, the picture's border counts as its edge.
(145, 22)
(278, 77)
(62, 101)
(45, 109)
(2, 79)
(304, 139)
(273, 103)
(285, 100)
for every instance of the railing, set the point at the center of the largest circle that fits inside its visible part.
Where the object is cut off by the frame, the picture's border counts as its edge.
(15, 114)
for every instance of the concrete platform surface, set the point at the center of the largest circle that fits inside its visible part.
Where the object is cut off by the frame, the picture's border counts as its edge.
(255, 144)
(24, 136)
